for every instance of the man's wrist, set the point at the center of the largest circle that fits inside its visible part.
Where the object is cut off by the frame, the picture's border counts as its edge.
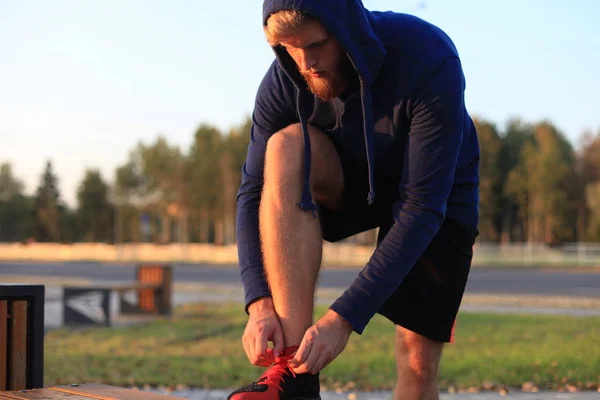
(342, 321)
(261, 304)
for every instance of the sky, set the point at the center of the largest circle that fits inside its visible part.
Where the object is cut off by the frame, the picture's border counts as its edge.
(81, 83)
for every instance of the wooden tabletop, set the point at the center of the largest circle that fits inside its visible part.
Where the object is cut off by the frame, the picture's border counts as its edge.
(84, 392)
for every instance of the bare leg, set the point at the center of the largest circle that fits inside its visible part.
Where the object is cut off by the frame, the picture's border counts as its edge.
(291, 237)
(417, 362)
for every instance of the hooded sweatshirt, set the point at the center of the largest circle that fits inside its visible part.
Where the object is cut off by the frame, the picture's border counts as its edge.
(407, 120)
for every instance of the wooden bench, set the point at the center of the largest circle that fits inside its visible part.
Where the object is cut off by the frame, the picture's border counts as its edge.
(153, 288)
(84, 392)
(21, 336)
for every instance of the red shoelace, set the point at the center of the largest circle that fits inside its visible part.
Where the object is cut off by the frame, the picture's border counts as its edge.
(274, 376)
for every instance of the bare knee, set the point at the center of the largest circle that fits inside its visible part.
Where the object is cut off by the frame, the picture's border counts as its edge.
(420, 372)
(283, 158)
(417, 360)
(284, 165)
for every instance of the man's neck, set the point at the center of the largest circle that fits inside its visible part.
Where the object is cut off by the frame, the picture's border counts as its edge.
(352, 86)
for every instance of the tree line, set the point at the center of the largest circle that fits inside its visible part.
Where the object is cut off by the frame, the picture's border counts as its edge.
(534, 187)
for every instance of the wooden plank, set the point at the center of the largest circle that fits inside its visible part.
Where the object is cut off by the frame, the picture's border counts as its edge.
(84, 392)
(73, 390)
(18, 361)
(42, 394)
(146, 297)
(3, 342)
(8, 396)
(112, 392)
(151, 278)
(156, 278)
(141, 275)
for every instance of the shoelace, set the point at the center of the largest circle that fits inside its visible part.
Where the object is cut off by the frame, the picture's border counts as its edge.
(275, 375)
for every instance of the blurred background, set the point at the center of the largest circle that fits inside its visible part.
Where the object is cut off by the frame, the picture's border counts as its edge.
(124, 126)
(128, 122)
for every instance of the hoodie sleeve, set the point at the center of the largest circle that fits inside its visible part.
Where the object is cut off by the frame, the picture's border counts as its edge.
(273, 111)
(430, 159)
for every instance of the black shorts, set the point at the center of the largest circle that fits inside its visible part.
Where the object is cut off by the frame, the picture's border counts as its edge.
(428, 299)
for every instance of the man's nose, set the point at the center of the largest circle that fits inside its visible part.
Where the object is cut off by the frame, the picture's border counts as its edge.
(307, 60)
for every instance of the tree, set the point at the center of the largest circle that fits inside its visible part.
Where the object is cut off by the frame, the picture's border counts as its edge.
(9, 185)
(68, 220)
(94, 209)
(491, 182)
(592, 196)
(125, 195)
(204, 179)
(163, 168)
(16, 209)
(46, 207)
(542, 185)
(17, 223)
(152, 186)
(588, 225)
(590, 156)
(234, 155)
(517, 134)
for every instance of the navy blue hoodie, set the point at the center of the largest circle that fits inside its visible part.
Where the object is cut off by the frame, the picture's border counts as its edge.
(408, 121)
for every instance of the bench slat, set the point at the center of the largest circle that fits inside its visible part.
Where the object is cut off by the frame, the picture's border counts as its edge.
(112, 392)
(148, 275)
(8, 396)
(42, 394)
(3, 342)
(18, 362)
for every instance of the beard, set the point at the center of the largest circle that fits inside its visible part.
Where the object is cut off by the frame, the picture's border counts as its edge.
(326, 86)
(330, 85)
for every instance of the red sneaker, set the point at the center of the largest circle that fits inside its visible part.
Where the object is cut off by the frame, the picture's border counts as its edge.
(279, 382)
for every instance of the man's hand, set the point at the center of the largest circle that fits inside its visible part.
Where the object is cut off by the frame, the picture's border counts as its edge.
(321, 344)
(263, 326)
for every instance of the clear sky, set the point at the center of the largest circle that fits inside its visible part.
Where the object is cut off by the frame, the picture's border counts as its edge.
(82, 82)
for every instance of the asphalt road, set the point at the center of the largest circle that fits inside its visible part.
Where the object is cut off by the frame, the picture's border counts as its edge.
(539, 281)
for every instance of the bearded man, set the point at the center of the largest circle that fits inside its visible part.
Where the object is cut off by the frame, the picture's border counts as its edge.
(359, 123)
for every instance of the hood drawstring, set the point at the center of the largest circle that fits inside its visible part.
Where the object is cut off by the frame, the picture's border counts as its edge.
(368, 124)
(306, 202)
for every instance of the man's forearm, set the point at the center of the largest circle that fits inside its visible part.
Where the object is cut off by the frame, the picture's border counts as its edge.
(390, 263)
(249, 249)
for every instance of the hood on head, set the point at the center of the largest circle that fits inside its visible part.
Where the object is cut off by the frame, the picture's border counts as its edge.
(348, 21)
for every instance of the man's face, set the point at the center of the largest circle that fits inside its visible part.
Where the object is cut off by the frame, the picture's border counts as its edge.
(320, 59)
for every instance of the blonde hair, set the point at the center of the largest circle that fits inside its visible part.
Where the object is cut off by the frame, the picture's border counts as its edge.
(283, 24)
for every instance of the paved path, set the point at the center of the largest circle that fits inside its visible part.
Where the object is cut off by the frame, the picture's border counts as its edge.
(196, 293)
(222, 395)
(531, 281)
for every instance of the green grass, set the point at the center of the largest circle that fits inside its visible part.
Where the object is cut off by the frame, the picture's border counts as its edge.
(200, 347)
